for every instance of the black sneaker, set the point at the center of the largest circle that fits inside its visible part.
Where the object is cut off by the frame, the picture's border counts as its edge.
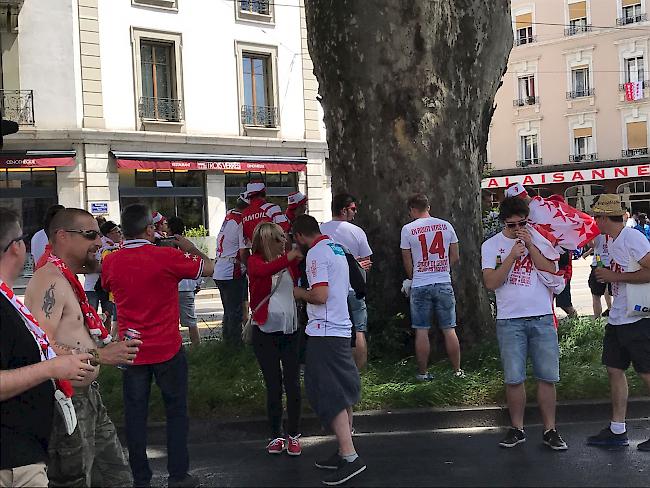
(513, 437)
(607, 438)
(346, 472)
(188, 481)
(644, 446)
(553, 440)
(333, 462)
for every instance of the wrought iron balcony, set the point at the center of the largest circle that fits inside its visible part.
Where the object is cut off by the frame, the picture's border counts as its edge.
(162, 109)
(261, 7)
(522, 163)
(570, 95)
(577, 158)
(259, 116)
(632, 153)
(576, 29)
(520, 41)
(18, 105)
(520, 102)
(631, 20)
(621, 87)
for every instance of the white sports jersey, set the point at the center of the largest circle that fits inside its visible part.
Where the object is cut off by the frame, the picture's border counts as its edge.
(429, 239)
(601, 248)
(229, 241)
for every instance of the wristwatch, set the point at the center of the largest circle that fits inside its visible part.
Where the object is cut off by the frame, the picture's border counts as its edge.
(95, 354)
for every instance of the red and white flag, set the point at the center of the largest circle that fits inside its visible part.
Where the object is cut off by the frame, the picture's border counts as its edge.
(633, 91)
(571, 228)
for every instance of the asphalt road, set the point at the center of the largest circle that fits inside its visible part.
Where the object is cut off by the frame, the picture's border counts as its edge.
(454, 457)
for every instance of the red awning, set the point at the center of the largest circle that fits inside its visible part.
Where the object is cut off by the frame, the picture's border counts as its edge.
(36, 162)
(210, 165)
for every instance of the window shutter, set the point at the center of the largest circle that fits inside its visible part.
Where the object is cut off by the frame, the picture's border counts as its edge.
(637, 135)
(582, 132)
(578, 10)
(628, 3)
(524, 20)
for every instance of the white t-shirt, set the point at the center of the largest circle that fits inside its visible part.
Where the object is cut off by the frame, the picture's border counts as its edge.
(326, 265)
(601, 248)
(523, 294)
(349, 236)
(229, 241)
(631, 222)
(39, 241)
(630, 242)
(429, 239)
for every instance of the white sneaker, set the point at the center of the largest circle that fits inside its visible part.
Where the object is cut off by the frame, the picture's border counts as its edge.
(424, 377)
(459, 374)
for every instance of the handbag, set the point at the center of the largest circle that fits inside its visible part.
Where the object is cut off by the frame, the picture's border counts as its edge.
(638, 294)
(247, 329)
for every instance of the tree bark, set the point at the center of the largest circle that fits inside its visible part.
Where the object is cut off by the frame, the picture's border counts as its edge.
(408, 90)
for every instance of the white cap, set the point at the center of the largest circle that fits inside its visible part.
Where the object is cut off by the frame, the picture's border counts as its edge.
(516, 190)
(295, 199)
(254, 187)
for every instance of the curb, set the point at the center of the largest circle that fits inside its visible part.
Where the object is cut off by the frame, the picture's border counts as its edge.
(413, 420)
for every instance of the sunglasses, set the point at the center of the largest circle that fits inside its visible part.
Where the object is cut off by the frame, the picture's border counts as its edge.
(17, 239)
(91, 235)
(514, 225)
(352, 209)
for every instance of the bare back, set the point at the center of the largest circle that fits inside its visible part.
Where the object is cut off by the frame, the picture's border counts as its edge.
(54, 304)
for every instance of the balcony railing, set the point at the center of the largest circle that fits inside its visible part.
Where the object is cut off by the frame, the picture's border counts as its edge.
(162, 109)
(570, 95)
(18, 105)
(522, 163)
(576, 29)
(577, 158)
(621, 87)
(520, 41)
(632, 153)
(631, 20)
(255, 6)
(520, 102)
(259, 116)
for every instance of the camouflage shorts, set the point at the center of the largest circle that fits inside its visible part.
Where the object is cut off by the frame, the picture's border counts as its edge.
(92, 455)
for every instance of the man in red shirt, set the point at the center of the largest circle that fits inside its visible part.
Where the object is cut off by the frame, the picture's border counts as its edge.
(260, 211)
(144, 281)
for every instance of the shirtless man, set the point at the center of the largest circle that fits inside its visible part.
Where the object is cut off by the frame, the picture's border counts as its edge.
(92, 455)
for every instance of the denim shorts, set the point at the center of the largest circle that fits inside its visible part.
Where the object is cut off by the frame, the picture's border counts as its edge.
(529, 336)
(429, 299)
(358, 312)
(186, 308)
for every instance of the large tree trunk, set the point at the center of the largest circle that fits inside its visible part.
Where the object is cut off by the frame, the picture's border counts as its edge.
(408, 90)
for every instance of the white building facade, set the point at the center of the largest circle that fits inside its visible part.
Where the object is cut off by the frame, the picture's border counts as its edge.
(173, 103)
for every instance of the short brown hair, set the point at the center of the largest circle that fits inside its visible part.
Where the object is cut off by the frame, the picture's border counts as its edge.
(419, 201)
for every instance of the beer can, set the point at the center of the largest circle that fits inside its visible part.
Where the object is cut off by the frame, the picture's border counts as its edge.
(128, 335)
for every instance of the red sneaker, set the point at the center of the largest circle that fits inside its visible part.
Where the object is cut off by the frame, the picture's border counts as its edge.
(293, 446)
(276, 446)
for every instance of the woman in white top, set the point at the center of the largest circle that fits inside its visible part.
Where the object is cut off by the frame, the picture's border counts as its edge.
(272, 273)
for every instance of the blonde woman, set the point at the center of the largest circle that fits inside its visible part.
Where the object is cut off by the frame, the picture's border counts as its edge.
(273, 271)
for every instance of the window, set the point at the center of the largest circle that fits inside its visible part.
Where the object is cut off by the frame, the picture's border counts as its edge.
(631, 10)
(577, 18)
(634, 70)
(580, 83)
(583, 145)
(158, 100)
(524, 28)
(278, 186)
(166, 4)
(258, 108)
(529, 151)
(260, 7)
(526, 90)
(637, 139)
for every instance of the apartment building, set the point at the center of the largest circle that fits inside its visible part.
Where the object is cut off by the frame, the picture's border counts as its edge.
(175, 103)
(573, 112)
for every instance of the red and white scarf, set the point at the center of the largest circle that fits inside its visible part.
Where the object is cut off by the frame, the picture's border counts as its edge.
(92, 320)
(44, 347)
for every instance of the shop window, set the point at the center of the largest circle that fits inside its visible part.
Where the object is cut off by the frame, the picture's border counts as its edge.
(583, 196)
(278, 186)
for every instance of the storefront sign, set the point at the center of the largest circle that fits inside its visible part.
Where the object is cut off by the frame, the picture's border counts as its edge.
(576, 176)
(99, 208)
(8, 162)
(210, 165)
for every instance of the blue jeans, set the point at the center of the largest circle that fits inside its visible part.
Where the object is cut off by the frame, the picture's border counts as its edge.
(429, 299)
(529, 336)
(171, 378)
(232, 292)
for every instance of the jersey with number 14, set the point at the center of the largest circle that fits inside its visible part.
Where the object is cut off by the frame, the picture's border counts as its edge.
(429, 239)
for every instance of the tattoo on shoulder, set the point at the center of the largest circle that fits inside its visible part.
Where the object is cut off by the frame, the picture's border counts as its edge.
(49, 301)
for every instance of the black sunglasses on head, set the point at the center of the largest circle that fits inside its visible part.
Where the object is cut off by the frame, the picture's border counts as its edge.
(91, 235)
(17, 239)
